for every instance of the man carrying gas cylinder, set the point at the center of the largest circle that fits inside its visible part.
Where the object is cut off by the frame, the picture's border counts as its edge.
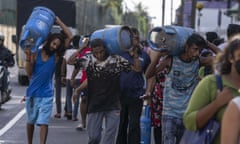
(132, 87)
(180, 81)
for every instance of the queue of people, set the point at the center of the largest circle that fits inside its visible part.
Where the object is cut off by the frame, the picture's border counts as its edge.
(110, 86)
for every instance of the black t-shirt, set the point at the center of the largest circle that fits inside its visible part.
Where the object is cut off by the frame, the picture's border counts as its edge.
(6, 56)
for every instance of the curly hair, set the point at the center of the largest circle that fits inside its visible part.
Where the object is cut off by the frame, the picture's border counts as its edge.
(228, 53)
(61, 49)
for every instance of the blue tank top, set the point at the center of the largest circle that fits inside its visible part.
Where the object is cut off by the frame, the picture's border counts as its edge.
(41, 83)
(179, 85)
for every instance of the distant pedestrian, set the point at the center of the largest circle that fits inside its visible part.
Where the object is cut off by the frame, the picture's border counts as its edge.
(213, 37)
(83, 49)
(232, 30)
(72, 109)
(59, 75)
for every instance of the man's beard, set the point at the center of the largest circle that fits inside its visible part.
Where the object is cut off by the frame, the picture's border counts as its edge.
(49, 51)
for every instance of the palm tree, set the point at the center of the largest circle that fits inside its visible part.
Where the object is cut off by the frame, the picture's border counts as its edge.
(142, 19)
(113, 8)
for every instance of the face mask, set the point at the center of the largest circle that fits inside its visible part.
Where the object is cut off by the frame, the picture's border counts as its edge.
(237, 66)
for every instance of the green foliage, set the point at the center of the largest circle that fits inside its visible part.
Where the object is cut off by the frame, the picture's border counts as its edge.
(112, 10)
(115, 7)
(142, 18)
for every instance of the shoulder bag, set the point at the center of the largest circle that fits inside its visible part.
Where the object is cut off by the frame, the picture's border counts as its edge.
(208, 133)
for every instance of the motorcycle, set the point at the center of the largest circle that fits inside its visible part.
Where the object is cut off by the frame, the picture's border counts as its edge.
(5, 95)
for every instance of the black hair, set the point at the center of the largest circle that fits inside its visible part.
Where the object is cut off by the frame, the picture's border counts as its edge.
(99, 43)
(145, 43)
(227, 54)
(206, 53)
(60, 50)
(211, 36)
(218, 41)
(232, 30)
(135, 31)
(196, 39)
(75, 41)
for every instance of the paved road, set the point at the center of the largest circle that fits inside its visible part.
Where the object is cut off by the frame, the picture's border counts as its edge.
(13, 121)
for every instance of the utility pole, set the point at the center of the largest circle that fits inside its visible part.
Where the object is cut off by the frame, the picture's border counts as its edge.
(84, 16)
(171, 12)
(181, 13)
(194, 3)
(163, 12)
(228, 4)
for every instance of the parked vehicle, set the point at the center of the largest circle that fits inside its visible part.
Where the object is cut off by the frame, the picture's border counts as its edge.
(5, 93)
(24, 9)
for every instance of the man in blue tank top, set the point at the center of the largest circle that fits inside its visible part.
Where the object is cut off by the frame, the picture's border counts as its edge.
(180, 83)
(40, 67)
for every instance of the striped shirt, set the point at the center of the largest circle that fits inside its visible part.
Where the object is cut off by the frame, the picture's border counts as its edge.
(179, 85)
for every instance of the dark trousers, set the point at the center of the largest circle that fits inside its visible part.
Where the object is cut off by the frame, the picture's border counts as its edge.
(58, 93)
(129, 127)
(4, 80)
(157, 133)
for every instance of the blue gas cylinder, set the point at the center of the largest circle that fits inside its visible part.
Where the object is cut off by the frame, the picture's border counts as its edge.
(169, 38)
(145, 125)
(37, 28)
(117, 38)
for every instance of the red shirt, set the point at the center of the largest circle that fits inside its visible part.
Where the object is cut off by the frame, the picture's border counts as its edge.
(82, 53)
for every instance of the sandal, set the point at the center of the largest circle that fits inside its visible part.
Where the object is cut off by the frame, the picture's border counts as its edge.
(69, 116)
(80, 128)
(57, 116)
(74, 119)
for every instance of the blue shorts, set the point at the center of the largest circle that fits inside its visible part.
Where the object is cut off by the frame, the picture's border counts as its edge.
(39, 110)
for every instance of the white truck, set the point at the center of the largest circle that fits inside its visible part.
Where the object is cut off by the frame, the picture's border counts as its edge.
(64, 9)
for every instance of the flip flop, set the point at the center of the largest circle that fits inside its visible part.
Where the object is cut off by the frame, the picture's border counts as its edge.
(57, 116)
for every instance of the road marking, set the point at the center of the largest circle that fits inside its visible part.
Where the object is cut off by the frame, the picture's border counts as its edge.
(12, 122)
